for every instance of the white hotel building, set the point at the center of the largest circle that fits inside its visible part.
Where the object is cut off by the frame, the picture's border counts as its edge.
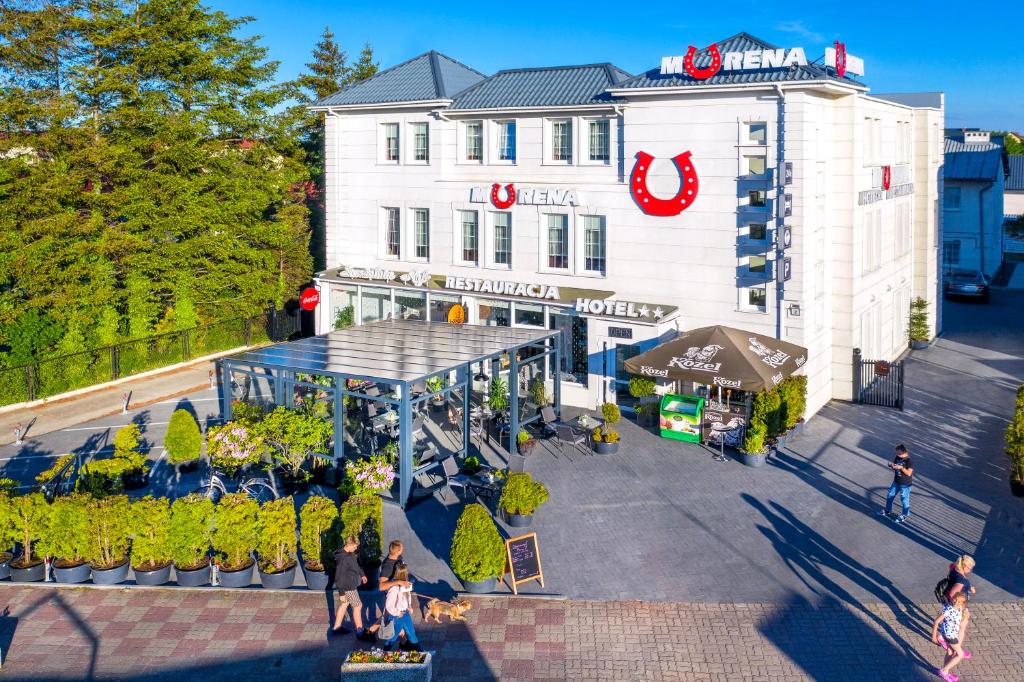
(795, 171)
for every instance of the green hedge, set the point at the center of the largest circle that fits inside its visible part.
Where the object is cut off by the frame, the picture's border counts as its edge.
(776, 411)
(363, 517)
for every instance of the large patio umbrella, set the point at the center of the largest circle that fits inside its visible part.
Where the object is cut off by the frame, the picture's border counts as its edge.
(721, 356)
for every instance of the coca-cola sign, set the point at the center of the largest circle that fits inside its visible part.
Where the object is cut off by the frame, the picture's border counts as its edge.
(309, 298)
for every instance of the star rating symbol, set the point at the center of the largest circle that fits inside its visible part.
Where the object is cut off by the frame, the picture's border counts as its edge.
(658, 313)
(643, 310)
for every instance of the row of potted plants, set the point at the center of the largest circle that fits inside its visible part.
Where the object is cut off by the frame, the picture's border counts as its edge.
(101, 537)
(1015, 445)
(126, 469)
(774, 414)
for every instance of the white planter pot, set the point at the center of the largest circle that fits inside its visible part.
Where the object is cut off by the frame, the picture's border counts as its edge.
(387, 672)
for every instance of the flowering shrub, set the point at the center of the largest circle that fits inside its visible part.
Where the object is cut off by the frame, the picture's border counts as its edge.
(370, 476)
(233, 446)
(380, 656)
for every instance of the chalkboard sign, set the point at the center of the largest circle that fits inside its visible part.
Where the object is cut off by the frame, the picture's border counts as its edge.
(523, 560)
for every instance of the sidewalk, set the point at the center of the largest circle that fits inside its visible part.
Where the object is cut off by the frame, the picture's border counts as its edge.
(155, 634)
(59, 413)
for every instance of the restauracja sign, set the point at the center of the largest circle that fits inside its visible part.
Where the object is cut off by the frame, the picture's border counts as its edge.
(540, 196)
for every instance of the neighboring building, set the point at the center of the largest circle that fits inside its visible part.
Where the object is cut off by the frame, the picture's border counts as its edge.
(1013, 193)
(604, 238)
(972, 204)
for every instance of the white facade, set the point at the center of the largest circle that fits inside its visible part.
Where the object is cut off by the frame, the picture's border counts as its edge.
(858, 255)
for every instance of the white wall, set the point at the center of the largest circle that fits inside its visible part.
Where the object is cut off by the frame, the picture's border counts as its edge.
(977, 224)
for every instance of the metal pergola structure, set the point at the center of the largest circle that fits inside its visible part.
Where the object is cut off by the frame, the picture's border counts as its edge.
(402, 354)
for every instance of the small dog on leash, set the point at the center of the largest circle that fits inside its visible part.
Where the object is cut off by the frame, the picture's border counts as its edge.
(455, 609)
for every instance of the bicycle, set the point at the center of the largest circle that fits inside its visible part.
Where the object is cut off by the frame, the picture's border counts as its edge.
(257, 489)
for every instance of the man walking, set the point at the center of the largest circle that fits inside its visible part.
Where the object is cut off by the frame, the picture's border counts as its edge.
(387, 574)
(903, 480)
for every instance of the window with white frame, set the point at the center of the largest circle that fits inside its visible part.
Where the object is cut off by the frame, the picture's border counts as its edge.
(872, 140)
(594, 244)
(756, 132)
(754, 298)
(474, 141)
(599, 140)
(758, 198)
(757, 265)
(951, 198)
(470, 236)
(951, 252)
(390, 132)
(561, 140)
(755, 164)
(420, 142)
(421, 233)
(392, 232)
(503, 238)
(558, 241)
(757, 232)
(506, 140)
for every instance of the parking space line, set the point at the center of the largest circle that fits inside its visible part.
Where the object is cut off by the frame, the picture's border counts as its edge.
(118, 426)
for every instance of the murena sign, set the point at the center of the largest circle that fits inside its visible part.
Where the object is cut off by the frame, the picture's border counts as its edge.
(748, 60)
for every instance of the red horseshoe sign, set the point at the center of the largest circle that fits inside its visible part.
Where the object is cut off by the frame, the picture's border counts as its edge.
(886, 177)
(708, 71)
(840, 59)
(652, 205)
(510, 193)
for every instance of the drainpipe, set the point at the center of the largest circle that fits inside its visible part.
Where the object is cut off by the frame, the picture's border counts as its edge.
(780, 192)
(981, 226)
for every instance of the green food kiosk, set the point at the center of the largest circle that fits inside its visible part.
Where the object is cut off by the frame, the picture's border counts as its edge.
(681, 416)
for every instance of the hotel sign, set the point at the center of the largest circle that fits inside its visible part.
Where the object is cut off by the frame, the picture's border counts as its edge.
(872, 196)
(534, 196)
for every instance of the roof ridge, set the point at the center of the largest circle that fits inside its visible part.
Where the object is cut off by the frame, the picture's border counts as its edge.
(596, 65)
(435, 72)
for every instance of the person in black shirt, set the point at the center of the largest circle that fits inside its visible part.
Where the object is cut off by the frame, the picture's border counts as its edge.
(385, 581)
(902, 482)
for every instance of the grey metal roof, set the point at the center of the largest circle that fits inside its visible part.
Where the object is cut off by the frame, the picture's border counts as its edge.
(430, 76)
(917, 100)
(542, 87)
(392, 350)
(979, 162)
(1015, 181)
(737, 43)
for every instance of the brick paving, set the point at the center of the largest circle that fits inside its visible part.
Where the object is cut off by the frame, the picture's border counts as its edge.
(163, 634)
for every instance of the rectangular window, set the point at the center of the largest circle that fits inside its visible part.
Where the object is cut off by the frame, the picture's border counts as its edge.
(599, 140)
(558, 241)
(951, 198)
(393, 235)
(470, 237)
(757, 264)
(755, 165)
(507, 140)
(391, 141)
(421, 142)
(561, 140)
(951, 252)
(871, 242)
(421, 229)
(757, 133)
(593, 244)
(474, 141)
(757, 297)
(530, 314)
(758, 198)
(758, 232)
(503, 238)
(904, 237)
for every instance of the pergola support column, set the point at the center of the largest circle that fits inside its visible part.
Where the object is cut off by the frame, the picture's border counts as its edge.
(404, 446)
(558, 378)
(339, 422)
(225, 389)
(513, 401)
(465, 374)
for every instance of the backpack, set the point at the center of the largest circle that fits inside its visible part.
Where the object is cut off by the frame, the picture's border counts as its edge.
(942, 590)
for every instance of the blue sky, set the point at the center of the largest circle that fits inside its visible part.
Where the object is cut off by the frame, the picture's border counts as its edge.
(963, 50)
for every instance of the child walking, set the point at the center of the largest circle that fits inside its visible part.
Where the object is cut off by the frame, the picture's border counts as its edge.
(949, 623)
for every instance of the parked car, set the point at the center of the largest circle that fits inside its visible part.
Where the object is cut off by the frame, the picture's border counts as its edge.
(966, 283)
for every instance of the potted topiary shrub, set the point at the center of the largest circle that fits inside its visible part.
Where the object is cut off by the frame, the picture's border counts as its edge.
(1015, 446)
(606, 438)
(65, 538)
(109, 537)
(234, 447)
(362, 516)
(478, 552)
(520, 498)
(497, 398)
(539, 393)
(754, 451)
(471, 465)
(189, 534)
(276, 544)
(642, 389)
(234, 539)
(8, 531)
(135, 464)
(317, 525)
(150, 525)
(292, 437)
(918, 328)
(183, 442)
(29, 517)
(525, 443)
(435, 384)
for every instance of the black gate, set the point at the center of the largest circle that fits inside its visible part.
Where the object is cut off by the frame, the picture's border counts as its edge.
(877, 382)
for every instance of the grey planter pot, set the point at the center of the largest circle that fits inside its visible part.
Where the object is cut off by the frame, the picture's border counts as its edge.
(919, 345)
(111, 576)
(387, 672)
(158, 576)
(315, 580)
(187, 467)
(606, 448)
(480, 586)
(73, 574)
(1016, 488)
(518, 520)
(754, 460)
(5, 560)
(241, 578)
(194, 578)
(279, 581)
(32, 574)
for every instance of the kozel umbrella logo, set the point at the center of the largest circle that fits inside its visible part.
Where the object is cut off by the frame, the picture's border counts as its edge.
(698, 358)
(652, 205)
(774, 359)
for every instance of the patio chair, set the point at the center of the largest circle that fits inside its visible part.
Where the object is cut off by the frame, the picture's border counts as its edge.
(417, 427)
(371, 410)
(373, 391)
(453, 478)
(548, 420)
(566, 434)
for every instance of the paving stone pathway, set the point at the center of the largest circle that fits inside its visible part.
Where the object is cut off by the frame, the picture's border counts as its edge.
(167, 634)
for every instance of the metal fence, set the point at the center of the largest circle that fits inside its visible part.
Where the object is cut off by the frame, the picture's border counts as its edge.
(877, 382)
(52, 376)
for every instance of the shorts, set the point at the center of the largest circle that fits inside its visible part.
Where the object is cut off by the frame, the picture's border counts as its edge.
(351, 597)
(949, 641)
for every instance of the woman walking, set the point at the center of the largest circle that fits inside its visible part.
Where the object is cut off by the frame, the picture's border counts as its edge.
(959, 583)
(398, 610)
(949, 622)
